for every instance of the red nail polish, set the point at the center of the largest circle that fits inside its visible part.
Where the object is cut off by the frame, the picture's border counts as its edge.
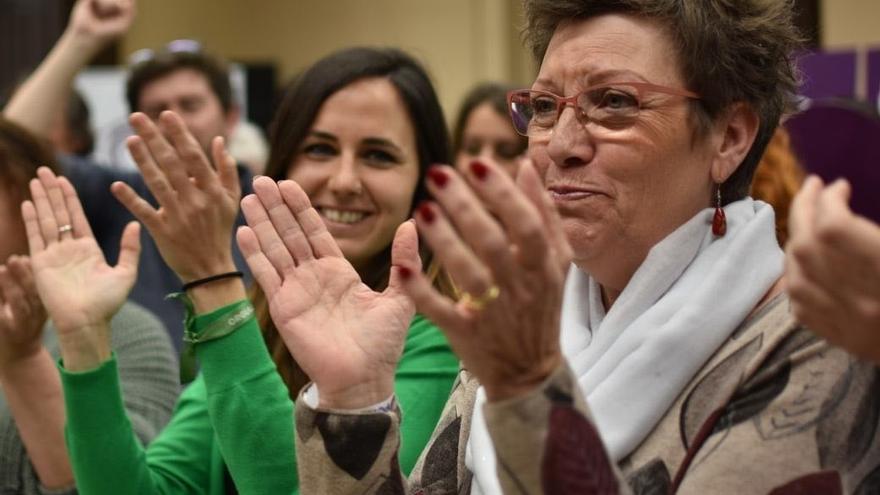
(405, 273)
(438, 177)
(479, 169)
(427, 213)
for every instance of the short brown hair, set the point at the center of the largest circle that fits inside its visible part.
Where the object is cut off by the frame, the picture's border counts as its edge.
(164, 63)
(21, 154)
(730, 51)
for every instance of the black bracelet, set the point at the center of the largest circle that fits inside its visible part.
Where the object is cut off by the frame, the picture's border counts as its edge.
(202, 281)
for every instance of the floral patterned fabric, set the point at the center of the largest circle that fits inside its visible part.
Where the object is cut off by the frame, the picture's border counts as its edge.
(776, 410)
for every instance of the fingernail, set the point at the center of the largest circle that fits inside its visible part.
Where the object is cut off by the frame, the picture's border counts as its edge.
(405, 273)
(438, 176)
(427, 213)
(479, 169)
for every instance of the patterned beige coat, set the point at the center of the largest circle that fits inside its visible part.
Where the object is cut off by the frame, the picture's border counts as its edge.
(776, 410)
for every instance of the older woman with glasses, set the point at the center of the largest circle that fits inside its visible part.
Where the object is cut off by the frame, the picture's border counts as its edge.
(623, 325)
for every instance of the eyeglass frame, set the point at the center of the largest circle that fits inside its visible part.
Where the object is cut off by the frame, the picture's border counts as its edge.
(564, 101)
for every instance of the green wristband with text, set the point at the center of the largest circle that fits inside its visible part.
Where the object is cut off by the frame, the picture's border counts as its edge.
(234, 315)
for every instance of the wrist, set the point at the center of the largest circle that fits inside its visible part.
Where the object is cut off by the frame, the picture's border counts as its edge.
(523, 382)
(358, 396)
(21, 364)
(79, 46)
(198, 269)
(216, 294)
(85, 347)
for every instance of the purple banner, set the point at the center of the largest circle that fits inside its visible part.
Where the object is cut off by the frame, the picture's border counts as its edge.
(828, 75)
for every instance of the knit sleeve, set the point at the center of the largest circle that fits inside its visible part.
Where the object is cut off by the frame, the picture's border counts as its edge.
(345, 452)
(107, 457)
(545, 442)
(147, 369)
(348, 453)
(249, 407)
(116, 408)
(17, 473)
(369, 452)
(422, 383)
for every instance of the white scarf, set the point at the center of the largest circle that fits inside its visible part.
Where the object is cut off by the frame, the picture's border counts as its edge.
(683, 302)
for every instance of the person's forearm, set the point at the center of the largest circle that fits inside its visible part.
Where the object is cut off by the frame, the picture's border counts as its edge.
(104, 451)
(215, 295)
(33, 391)
(248, 404)
(35, 104)
(84, 348)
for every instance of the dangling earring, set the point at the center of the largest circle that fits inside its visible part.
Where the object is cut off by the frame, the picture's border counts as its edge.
(719, 221)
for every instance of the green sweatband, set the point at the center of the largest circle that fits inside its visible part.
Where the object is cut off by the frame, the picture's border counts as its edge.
(234, 315)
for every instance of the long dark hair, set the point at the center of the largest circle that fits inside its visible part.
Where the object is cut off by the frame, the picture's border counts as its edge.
(300, 106)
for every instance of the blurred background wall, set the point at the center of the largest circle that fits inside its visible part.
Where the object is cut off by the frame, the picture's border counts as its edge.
(462, 42)
(850, 23)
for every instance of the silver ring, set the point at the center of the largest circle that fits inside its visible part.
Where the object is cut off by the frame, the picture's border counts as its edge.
(65, 228)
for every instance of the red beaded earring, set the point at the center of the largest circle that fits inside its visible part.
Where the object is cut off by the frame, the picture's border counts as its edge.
(719, 221)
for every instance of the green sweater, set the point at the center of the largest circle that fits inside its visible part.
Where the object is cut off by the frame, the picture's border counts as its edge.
(236, 413)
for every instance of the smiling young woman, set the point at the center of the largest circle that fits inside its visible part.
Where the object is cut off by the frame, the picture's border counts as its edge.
(358, 132)
(360, 174)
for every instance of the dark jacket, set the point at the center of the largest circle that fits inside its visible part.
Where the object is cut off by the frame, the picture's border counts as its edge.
(108, 217)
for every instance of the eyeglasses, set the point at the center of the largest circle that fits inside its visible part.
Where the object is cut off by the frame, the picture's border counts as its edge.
(176, 46)
(613, 106)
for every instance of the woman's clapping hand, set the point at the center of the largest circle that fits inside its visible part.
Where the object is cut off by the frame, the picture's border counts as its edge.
(833, 268)
(346, 337)
(21, 313)
(503, 244)
(80, 291)
(197, 204)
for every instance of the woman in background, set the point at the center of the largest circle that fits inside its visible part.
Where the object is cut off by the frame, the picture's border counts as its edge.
(33, 456)
(483, 129)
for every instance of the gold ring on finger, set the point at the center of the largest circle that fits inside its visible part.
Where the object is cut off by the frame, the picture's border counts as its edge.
(477, 303)
(65, 229)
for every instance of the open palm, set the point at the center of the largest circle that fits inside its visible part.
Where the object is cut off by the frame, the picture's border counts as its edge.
(21, 314)
(342, 333)
(77, 286)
